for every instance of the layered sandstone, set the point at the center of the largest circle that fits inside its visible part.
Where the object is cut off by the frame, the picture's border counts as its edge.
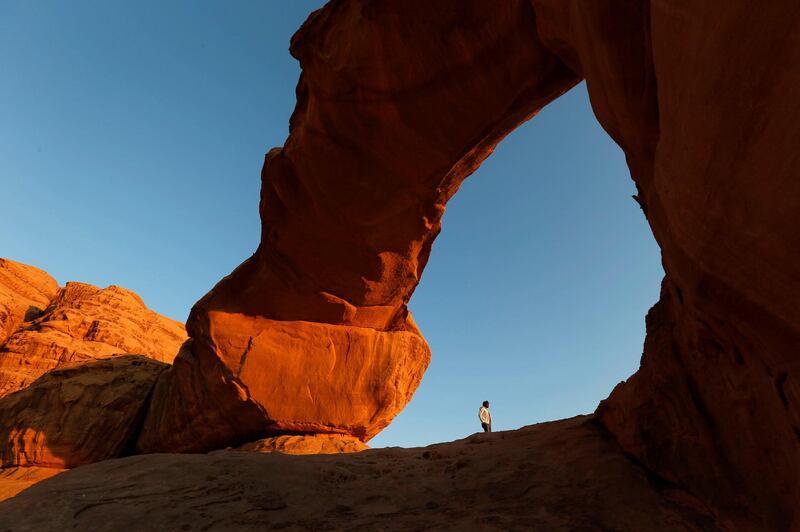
(77, 414)
(77, 323)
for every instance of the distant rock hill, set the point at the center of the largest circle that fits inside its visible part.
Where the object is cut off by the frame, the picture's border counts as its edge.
(44, 326)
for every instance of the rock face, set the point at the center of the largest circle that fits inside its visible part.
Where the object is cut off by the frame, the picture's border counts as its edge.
(567, 475)
(24, 292)
(306, 444)
(398, 102)
(47, 326)
(701, 96)
(15, 479)
(283, 377)
(77, 414)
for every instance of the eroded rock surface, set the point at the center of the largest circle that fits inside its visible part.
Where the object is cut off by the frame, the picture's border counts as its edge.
(702, 98)
(25, 292)
(306, 444)
(77, 323)
(16, 479)
(77, 414)
(566, 475)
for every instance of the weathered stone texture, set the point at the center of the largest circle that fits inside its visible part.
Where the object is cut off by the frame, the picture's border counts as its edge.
(77, 323)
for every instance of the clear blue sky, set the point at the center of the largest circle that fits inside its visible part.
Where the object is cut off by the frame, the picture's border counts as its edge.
(131, 139)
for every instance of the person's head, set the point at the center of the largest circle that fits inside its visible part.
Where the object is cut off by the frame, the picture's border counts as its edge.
(486, 404)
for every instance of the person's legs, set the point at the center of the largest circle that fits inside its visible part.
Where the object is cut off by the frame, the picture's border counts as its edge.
(486, 427)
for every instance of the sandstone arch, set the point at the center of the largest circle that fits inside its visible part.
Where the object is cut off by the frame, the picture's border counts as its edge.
(398, 103)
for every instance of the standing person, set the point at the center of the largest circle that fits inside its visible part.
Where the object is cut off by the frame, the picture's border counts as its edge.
(485, 416)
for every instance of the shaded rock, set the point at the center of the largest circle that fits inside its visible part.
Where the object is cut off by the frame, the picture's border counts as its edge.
(77, 414)
(15, 479)
(82, 323)
(566, 475)
(24, 292)
(711, 144)
(306, 444)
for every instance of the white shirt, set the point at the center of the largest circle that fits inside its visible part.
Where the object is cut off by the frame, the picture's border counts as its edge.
(484, 415)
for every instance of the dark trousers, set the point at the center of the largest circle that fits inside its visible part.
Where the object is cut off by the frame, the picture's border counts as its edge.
(487, 427)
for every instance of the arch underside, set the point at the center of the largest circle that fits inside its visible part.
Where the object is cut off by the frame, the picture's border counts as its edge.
(397, 104)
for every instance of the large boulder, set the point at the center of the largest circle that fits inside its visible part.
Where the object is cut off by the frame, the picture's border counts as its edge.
(77, 414)
(77, 323)
(273, 377)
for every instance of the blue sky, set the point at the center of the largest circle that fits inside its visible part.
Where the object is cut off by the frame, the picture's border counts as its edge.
(131, 139)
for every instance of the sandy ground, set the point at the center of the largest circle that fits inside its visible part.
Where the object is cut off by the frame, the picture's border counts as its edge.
(564, 475)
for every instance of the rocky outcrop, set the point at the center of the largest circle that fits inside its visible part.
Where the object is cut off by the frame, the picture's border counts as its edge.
(70, 393)
(25, 292)
(398, 102)
(77, 414)
(567, 475)
(306, 444)
(77, 323)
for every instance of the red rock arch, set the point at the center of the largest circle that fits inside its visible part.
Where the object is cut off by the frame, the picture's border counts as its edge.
(398, 103)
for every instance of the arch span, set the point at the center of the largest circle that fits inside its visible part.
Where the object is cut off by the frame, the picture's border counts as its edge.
(397, 104)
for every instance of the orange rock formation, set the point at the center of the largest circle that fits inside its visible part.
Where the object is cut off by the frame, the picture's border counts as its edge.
(398, 102)
(25, 292)
(16, 479)
(77, 414)
(69, 393)
(306, 444)
(43, 327)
